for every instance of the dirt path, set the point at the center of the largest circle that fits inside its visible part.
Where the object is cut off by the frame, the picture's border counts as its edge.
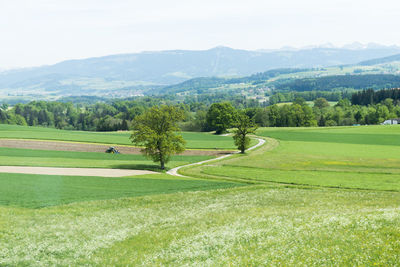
(84, 147)
(174, 171)
(73, 171)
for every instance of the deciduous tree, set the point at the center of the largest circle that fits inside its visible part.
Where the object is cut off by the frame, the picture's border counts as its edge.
(220, 117)
(155, 130)
(244, 126)
(321, 103)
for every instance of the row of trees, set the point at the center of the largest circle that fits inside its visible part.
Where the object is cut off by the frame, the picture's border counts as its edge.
(343, 113)
(112, 116)
(97, 117)
(299, 114)
(282, 97)
(199, 116)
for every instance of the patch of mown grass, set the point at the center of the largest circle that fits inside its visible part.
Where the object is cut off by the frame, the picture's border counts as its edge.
(357, 180)
(194, 140)
(344, 138)
(37, 191)
(369, 135)
(50, 158)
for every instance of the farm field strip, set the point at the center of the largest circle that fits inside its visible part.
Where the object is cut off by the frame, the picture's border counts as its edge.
(38, 191)
(87, 147)
(72, 159)
(194, 140)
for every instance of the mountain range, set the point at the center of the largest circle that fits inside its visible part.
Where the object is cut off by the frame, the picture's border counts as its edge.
(130, 74)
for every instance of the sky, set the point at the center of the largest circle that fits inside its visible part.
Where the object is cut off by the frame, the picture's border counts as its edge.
(39, 32)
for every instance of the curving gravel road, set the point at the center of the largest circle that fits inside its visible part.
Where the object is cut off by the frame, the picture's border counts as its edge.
(174, 171)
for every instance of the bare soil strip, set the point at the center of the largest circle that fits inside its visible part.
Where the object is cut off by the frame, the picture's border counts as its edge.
(84, 147)
(73, 171)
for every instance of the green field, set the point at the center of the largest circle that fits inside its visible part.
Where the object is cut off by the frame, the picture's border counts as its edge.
(244, 226)
(349, 157)
(308, 197)
(194, 140)
(51, 158)
(37, 191)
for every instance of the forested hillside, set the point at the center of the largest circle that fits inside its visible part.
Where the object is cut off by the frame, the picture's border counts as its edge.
(328, 83)
(200, 85)
(380, 60)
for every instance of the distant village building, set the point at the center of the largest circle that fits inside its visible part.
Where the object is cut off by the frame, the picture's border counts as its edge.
(391, 121)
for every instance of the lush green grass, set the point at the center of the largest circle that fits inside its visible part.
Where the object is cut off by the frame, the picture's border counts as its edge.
(352, 157)
(29, 157)
(194, 140)
(369, 135)
(36, 191)
(373, 180)
(242, 226)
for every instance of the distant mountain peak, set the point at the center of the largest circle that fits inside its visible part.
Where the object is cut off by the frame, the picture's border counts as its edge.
(221, 47)
(359, 46)
(354, 46)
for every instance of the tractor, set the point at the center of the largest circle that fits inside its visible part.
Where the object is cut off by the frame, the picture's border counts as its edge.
(112, 150)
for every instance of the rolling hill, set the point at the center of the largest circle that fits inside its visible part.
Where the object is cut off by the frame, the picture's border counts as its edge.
(380, 60)
(133, 74)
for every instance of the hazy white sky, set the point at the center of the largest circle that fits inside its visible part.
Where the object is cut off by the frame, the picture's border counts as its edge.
(37, 32)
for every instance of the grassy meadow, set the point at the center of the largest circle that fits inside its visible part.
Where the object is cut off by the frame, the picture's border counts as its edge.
(308, 197)
(364, 157)
(194, 140)
(240, 226)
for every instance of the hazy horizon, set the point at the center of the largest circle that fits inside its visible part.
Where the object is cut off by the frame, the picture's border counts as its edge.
(283, 48)
(43, 32)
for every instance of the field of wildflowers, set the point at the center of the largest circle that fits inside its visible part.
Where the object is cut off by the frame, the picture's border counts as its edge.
(252, 225)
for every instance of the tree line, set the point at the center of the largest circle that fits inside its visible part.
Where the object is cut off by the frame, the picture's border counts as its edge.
(97, 117)
(282, 97)
(370, 97)
(200, 116)
(322, 114)
(220, 116)
(340, 82)
(109, 116)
